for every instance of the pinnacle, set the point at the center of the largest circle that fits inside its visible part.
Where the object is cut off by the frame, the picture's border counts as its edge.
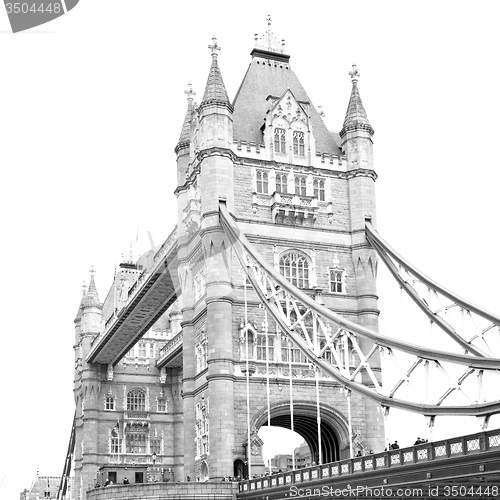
(91, 298)
(356, 117)
(185, 136)
(215, 90)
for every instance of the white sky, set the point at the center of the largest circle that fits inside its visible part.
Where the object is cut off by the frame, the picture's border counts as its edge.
(91, 107)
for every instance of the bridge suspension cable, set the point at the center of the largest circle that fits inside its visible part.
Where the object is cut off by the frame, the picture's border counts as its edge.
(454, 376)
(63, 484)
(468, 325)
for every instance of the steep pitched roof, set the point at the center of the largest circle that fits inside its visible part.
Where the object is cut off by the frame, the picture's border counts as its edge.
(270, 74)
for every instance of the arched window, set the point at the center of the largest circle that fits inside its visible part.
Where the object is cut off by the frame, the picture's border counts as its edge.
(281, 183)
(279, 140)
(136, 400)
(295, 268)
(298, 143)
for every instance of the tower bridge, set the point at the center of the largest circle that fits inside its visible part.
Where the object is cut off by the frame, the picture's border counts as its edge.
(261, 309)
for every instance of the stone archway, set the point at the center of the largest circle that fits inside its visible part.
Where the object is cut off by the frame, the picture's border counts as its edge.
(334, 428)
(204, 472)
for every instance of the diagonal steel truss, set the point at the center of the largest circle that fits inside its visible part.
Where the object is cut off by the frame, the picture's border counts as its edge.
(430, 382)
(473, 328)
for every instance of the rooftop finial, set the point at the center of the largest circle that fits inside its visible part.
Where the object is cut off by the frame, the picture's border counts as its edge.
(269, 32)
(190, 92)
(214, 47)
(84, 288)
(354, 74)
(268, 41)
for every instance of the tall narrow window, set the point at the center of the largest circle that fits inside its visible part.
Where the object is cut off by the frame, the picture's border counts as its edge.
(319, 189)
(263, 350)
(295, 268)
(142, 350)
(136, 400)
(336, 281)
(300, 185)
(155, 446)
(281, 183)
(298, 143)
(161, 404)
(262, 182)
(110, 402)
(279, 140)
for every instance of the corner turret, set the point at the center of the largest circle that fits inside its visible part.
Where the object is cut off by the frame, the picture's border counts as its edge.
(183, 147)
(91, 309)
(357, 133)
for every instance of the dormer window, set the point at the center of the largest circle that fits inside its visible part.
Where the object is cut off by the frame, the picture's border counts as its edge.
(262, 182)
(300, 185)
(319, 189)
(281, 183)
(280, 140)
(298, 143)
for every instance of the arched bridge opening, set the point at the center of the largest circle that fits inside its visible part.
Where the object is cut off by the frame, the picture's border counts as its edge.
(333, 434)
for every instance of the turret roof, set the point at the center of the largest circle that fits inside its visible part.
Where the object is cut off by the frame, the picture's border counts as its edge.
(92, 298)
(80, 307)
(215, 90)
(184, 138)
(356, 117)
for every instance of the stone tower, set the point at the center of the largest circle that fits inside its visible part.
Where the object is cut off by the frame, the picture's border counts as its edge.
(301, 194)
(190, 397)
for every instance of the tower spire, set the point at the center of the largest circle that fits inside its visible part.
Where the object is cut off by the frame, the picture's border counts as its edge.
(80, 307)
(215, 90)
(184, 138)
(356, 117)
(91, 298)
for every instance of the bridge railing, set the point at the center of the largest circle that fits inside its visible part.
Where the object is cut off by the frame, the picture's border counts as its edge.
(426, 452)
(158, 260)
(171, 346)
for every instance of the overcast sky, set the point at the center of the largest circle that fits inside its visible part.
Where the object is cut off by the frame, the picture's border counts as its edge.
(91, 107)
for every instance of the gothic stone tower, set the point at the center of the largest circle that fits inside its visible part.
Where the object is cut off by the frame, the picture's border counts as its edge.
(127, 412)
(301, 194)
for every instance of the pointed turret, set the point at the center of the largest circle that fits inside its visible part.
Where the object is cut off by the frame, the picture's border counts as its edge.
(215, 90)
(357, 133)
(80, 307)
(356, 117)
(91, 310)
(91, 298)
(215, 112)
(185, 137)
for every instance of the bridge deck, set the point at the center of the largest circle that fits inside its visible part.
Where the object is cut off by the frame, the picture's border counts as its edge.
(469, 460)
(154, 292)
